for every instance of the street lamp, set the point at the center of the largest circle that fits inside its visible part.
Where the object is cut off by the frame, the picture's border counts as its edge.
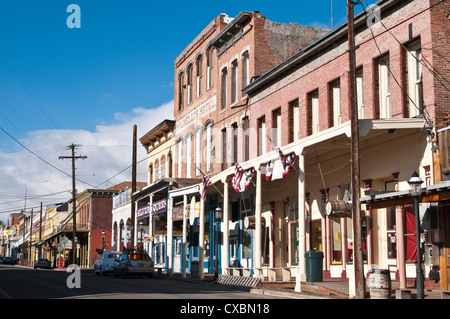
(218, 219)
(415, 183)
(103, 241)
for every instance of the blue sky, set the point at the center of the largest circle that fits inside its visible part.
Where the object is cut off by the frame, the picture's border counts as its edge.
(90, 85)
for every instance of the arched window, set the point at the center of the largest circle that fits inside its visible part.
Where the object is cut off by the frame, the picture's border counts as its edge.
(169, 156)
(150, 173)
(224, 88)
(234, 81)
(245, 69)
(181, 91)
(163, 166)
(209, 64)
(190, 75)
(199, 67)
(157, 170)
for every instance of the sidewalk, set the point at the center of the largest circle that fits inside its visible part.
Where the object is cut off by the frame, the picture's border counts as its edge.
(330, 289)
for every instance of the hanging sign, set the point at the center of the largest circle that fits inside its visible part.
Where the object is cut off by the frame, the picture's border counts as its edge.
(143, 212)
(159, 207)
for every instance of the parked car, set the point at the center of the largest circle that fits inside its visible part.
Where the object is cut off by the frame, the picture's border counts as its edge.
(42, 263)
(9, 261)
(134, 263)
(106, 263)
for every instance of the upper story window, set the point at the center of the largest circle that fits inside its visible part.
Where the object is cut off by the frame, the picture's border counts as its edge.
(294, 121)
(180, 91)
(276, 126)
(246, 139)
(190, 74)
(415, 87)
(199, 67)
(209, 145)
(157, 176)
(359, 93)
(234, 81)
(245, 69)
(262, 135)
(384, 88)
(209, 76)
(224, 89)
(150, 172)
(234, 143)
(335, 102)
(313, 111)
(224, 148)
(163, 167)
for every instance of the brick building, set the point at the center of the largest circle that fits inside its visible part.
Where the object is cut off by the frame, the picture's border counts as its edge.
(302, 104)
(211, 111)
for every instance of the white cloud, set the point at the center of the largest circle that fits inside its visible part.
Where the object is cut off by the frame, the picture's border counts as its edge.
(108, 150)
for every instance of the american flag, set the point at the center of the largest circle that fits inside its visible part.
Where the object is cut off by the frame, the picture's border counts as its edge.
(242, 179)
(206, 183)
(238, 172)
(279, 152)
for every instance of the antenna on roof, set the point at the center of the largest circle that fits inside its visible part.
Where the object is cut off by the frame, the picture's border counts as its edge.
(331, 23)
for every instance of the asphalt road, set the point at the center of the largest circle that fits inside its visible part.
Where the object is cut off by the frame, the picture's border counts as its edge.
(26, 283)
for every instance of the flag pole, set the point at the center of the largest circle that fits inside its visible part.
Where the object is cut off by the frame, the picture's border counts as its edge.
(211, 183)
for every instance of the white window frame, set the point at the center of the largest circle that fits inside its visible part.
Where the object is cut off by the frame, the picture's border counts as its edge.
(360, 93)
(336, 102)
(384, 88)
(209, 147)
(199, 65)
(414, 65)
(315, 113)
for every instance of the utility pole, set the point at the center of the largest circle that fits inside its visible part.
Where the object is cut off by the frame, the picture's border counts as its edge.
(360, 289)
(40, 230)
(31, 234)
(74, 204)
(133, 185)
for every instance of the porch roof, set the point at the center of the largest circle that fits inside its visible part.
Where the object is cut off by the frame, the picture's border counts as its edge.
(433, 193)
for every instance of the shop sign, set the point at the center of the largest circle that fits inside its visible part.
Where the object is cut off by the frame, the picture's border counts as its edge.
(159, 207)
(143, 212)
(177, 212)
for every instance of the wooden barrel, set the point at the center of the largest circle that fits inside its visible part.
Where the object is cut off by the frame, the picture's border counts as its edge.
(379, 284)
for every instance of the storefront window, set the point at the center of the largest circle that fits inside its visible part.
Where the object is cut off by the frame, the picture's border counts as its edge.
(246, 243)
(336, 240)
(316, 232)
(391, 238)
(364, 230)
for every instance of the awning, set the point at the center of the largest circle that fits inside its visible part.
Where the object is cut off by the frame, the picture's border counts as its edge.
(433, 193)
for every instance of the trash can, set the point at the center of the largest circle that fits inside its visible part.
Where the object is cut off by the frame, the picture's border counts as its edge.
(314, 265)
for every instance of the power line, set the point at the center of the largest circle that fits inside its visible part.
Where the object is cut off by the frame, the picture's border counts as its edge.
(42, 159)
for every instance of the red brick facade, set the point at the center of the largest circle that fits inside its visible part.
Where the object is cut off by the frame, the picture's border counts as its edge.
(250, 37)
